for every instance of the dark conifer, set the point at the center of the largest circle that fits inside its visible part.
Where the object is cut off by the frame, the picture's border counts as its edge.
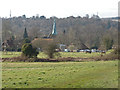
(25, 34)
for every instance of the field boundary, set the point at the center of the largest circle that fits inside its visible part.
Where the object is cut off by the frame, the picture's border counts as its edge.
(69, 59)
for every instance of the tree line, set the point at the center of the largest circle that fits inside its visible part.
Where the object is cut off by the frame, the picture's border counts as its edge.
(93, 32)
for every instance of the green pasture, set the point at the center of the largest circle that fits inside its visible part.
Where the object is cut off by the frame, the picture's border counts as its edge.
(63, 54)
(97, 74)
(72, 54)
(10, 54)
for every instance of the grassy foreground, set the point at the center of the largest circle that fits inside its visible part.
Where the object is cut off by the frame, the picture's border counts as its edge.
(100, 74)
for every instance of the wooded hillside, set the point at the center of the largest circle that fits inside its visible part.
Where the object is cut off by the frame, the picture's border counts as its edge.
(91, 31)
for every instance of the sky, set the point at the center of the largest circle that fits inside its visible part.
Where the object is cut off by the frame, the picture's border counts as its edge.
(59, 8)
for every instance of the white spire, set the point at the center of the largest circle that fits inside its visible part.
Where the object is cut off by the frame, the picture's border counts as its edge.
(54, 32)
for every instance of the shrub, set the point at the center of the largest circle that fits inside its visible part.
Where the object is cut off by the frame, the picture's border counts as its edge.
(29, 51)
(111, 56)
(117, 51)
(18, 49)
(10, 49)
(50, 50)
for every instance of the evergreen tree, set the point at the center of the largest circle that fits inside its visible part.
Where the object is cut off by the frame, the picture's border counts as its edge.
(29, 51)
(64, 32)
(108, 43)
(25, 34)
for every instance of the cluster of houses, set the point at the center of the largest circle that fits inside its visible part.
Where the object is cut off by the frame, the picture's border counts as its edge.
(84, 50)
(64, 48)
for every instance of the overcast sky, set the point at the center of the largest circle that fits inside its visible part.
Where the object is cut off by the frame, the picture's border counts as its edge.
(59, 8)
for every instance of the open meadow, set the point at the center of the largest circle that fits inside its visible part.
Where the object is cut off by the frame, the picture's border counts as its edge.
(93, 74)
(100, 74)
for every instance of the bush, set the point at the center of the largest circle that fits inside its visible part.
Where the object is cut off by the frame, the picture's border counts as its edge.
(50, 50)
(117, 51)
(29, 51)
(10, 49)
(18, 49)
(115, 55)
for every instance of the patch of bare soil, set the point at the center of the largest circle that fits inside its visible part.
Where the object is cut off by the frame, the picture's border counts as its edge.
(111, 56)
(21, 59)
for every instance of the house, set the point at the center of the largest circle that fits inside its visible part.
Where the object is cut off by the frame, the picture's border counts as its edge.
(8, 45)
(62, 47)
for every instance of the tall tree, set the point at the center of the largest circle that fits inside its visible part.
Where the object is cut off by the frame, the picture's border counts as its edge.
(108, 43)
(25, 34)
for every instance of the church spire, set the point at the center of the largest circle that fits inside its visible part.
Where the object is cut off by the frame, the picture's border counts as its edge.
(54, 32)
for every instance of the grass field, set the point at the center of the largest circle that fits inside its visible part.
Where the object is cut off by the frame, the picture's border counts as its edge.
(100, 74)
(63, 54)
(10, 54)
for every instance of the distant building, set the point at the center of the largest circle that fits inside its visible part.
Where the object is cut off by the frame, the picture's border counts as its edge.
(62, 47)
(95, 16)
(46, 39)
(8, 44)
(54, 32)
